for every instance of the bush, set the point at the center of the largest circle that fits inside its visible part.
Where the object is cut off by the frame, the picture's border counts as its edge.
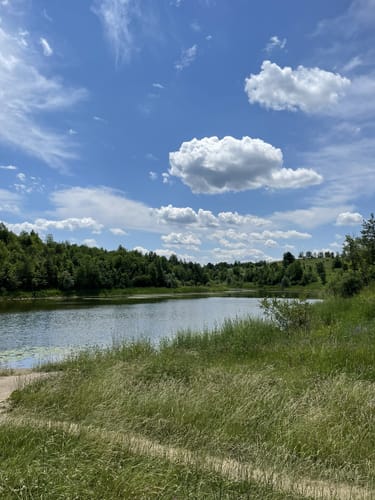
(289, 315)
(346, 284)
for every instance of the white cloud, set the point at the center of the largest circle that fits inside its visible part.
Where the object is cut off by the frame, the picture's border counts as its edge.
(118, 231)
(166, 178)
(21, 176)
(126, 24)
(288, 178)
(275, 43)
(42, 226)
(263, 236)
(141, 250)
(171, 214)
(359, 17)
(158, 86)
(179, 240)
(185, 215)
(8, 167)
(47, 49)
(349, 219)
(239, 254)
(187, 57)
(153, 175)
(107, 206)
(309, 217)
(234, 218)
(116, 17)
(311, 90)
(354, 63)
(71, 131)
(90, 242)
(25, 96)
(9, 202)
(212, 165)
(46, 15)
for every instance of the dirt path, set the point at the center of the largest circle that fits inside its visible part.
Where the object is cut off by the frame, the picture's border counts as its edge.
(10, 383)
(139, 445)
(229, 468)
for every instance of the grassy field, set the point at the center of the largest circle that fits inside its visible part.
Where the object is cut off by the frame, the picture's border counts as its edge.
(252, 410)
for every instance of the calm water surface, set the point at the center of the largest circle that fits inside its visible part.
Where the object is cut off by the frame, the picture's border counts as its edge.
(32, 336)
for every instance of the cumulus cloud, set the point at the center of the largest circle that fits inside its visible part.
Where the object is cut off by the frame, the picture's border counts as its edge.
(179, 240)
(349, 219)
(26, 94)
(185, 215)
(169, 213)
(234, 218)
(212, 165)
(275, 43)
(311, 90)
(187, 57)
(44, 225)
(46, 47)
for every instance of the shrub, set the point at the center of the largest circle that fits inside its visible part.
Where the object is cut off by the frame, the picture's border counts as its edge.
(289, 315)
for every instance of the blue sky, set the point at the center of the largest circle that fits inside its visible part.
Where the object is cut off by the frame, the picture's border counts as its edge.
(211, 129)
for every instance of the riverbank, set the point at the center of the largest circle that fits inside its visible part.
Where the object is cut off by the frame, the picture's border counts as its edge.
(156, 292)
(246, 411)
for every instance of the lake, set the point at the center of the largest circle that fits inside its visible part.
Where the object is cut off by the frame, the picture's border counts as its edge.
(30, 335)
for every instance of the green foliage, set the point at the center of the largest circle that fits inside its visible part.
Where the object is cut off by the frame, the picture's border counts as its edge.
(289, 315)
(346, 284)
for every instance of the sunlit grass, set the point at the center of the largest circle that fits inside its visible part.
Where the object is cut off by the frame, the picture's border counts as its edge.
(300, 403)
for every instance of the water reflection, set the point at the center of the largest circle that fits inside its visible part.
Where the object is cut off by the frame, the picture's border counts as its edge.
(32, 336)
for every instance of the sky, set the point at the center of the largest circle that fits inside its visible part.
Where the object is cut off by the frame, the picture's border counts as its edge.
(215, 130)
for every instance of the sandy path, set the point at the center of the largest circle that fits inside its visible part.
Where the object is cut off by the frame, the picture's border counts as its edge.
(232, 469)
(10, 383)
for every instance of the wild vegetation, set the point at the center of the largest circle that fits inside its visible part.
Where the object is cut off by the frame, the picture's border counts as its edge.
(280, 408)
(27, 264)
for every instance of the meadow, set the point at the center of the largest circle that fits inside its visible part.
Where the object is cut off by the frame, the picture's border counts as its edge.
(282, 408)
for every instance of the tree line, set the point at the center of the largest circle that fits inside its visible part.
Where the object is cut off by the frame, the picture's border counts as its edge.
(27, 263)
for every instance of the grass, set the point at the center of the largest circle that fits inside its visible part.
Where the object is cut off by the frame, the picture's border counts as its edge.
(291, 407)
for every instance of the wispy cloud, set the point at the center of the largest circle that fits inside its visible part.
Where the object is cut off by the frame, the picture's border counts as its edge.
(187, 57)
(8, 167)
(26, 94)
(116, 17)
(47, 49)
(275, 43)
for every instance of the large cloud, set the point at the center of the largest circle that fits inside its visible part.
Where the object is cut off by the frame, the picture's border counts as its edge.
(311, 90)
(212, 165)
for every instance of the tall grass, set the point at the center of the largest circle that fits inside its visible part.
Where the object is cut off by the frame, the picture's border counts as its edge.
(299, 401)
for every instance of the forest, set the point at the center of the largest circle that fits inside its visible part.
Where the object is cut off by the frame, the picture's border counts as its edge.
(27, 263)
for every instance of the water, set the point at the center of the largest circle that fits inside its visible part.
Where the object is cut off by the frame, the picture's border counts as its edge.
(32, 336)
